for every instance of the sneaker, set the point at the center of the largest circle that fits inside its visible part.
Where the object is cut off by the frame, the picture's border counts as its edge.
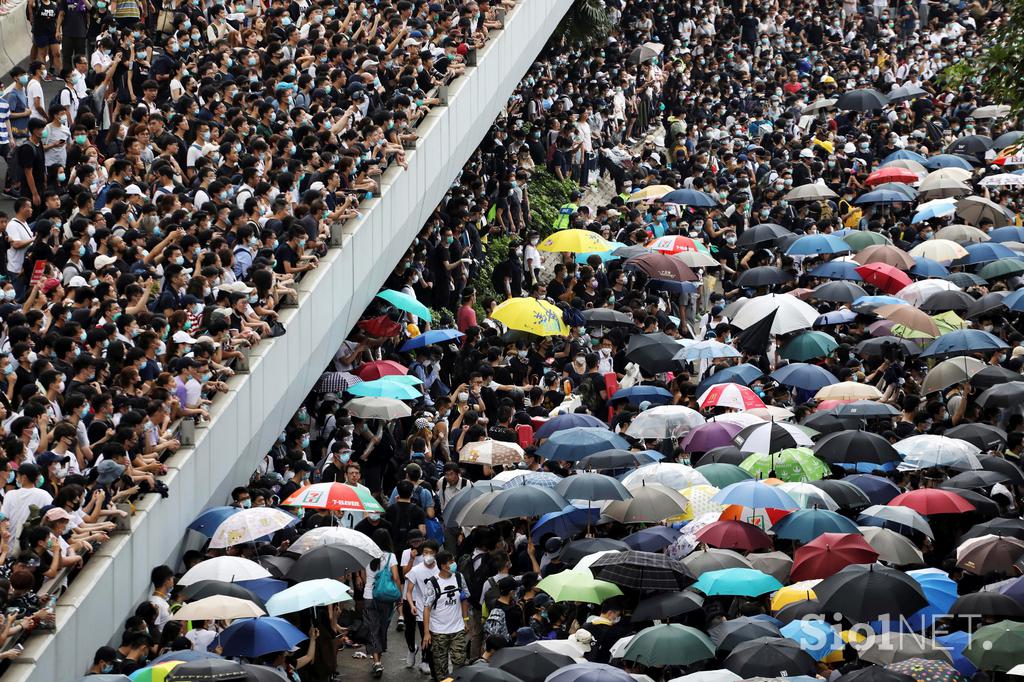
(410, 659)
(401, 625)
(378, 670)
(424, 668)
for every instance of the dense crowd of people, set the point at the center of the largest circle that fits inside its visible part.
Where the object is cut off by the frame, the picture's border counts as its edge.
(797, 308)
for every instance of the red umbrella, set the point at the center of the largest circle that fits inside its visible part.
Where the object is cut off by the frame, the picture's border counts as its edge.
(735, 535)
(736, 396)
(380, 326)
(892, 174)
(672, 244)
(884, 276)
(829, 553)
(379, 369)
(929, 501)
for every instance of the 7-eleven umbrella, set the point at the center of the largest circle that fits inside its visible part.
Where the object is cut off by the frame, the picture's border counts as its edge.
(671, 244)
(736, 396)
(339, 496)
(888, 278)
(829, 553)
(249, 525)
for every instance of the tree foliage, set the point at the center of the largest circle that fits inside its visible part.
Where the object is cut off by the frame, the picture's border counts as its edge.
(1000, 75)
(586, 23)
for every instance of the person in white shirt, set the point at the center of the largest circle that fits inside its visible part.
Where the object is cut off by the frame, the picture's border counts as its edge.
(162, 578)
(201, 635)
(414, 598)
(19, 236)
(34, 91)
(445, 614)
(17, 502)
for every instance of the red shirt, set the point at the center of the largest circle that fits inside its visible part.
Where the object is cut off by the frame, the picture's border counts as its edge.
(465, 318)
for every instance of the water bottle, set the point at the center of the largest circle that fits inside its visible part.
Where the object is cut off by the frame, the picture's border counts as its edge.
(51, 605)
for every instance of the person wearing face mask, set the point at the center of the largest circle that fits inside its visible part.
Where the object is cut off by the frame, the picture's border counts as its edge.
(17, 502)
(240, 498)
(299, 478)
(340, 455)
(414, 597)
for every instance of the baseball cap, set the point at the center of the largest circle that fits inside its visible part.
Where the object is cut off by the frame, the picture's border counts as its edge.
(49, 285)
(56, 514)
(103, 261)
(134, 191)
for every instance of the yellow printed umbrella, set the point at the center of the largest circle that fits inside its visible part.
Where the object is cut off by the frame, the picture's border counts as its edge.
(947, 322)
(652, 192)
(699, 501)
(154, 673)
(529, 315)
(576, 241)
(791, 594)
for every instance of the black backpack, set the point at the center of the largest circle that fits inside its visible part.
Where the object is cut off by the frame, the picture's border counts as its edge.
(476, 569)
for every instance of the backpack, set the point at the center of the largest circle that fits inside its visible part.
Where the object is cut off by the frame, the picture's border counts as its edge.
(384, 588)
(432, 581)
(590, 397)
(496, 624)
(55, 102)
(477, 570)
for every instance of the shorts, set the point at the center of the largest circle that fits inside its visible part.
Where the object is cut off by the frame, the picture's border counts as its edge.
(44, 39)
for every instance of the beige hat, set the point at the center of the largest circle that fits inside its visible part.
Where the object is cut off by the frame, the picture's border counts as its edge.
(56, 514)
(103, 261)
(583, 639)
(236, 288)
(1017, 351)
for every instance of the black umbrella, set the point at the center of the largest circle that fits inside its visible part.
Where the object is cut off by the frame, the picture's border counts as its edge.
(1013, 528)
(665, 605)
(970, 145)
(529, 664)
(865, 409)
(208, 670)
(883, 346)
(731, 633)
(984, 436)
(993, 375)
(850, 447)
(277, 565)
(770, 657)
(630, 251)
(592, 487)
(1003, 395)
(1006, 139)
(644, 571)
(906, 92)
(1003, 466)
(866, 99)
(986, 304)
(875, 673)
(759, 234)
(845, 494)
(577, 549)
(725, 454)
(867, 592)
(986, 605)
(973, 480)
(983, 504)
(653, 352)
(809, 608)
(941, 301)
(524, 500)
(763, 276)
(838, 291)
(263, 673)
(329, 561)
(209, 588)
(756, 338)
(612, 459)
(606, 317)
(481, 672)
(711, 559)
(825, 423)
(464, 497)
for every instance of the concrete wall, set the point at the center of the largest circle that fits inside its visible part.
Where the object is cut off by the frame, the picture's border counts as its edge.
(15, 37)
(282, 371)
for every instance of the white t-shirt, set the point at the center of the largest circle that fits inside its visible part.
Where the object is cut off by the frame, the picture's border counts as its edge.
(34, 90)
(16, 504)
(201, 639)
(446, 607)
(418, 575)
(163, 610)
(371, 575)
(17, 231)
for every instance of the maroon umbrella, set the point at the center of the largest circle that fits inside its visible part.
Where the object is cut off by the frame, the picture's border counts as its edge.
(709, 436)
(660, 266)
(927, 501)
(829, 553)
(735, 535)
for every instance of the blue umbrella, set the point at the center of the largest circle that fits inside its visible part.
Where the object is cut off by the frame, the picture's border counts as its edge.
(940, 591)
(737, 374)
(1007, 233)
(1013, 588)
(566, 523)
(955, 643)
(962, 341)
(255, 637)
(965, 279)
(655, 395)
(385, 388)
(841, 316)
(569, 420)
(589, 672)
(208, 522)
(838, 269)
(264, 588)
(431, 337)
(881, 196)
(940, 208)
(816, 637)
(576, 443)
(605, 256)
(653, 539)
(985, 252)
(184, 655)
(947, 161)
(926, 267)
(904, 155)
(1014, 302)
(804, 525)
(869, 303)
(690, 197)
(756, 495)
(804, 375)
(879, 490)
(903, 189)
(817, 244)
(537, 479)
(673, 287)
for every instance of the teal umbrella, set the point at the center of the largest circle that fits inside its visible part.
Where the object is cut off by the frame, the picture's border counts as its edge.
(385, 388)
(407, 303)
(670, 644)
(808, 346)
(720, 474)
(744, 582)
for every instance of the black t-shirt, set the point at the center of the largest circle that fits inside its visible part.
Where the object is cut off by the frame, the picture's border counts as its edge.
(403, 517)
(76, 24)
(44, 18)
(31, 157)
(286, 254)
(368, 528)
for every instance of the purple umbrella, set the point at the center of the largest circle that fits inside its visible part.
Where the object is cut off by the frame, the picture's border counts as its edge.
(879, 490)
(881, 328)
(709, 436)
(566, 421)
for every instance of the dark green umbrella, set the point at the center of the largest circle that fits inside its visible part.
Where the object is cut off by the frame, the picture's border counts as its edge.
(998, 647)
(808, 346)
(670, 644)
(1004, 267)
(720, 474)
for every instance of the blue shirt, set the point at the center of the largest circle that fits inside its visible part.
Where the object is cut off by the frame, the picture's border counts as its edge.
(17, 102)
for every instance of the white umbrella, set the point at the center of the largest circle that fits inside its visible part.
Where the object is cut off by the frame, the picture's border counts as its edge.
(709, 676)
(308, 594)
(904, 516)
(848, 390)
(664, 421)
(742, 418)
(335, 535)
(671, 474)
(955, 174)
(810, 192)
(808, 496)
(964, 234)
(249, 525)
(708, 349)
(378, 408)
(791, 314)
(942, 250)
(1002, 180)
(226, 569)
(916, 293)
(991, 111)
(218, 607)
(949, 372)
(907, 164)
(699, 259)
(618, 649)
(928, 450)
(771, 413)
(566, 647)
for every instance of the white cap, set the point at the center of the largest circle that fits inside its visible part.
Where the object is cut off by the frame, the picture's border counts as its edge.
(181, 336)
(316, 186)
(806, 154)
(77, 281)
(134, 191)
(103, 261)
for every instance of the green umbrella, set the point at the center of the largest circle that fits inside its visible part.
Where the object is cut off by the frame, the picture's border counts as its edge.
(808, 346)
(670, 644)
(579, 586)
(1004, 267)
(793, 465)
(720, 474)
(998, 647)
(862, 239)
(406, 302)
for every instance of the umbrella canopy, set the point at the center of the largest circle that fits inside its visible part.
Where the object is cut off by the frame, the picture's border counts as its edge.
(756, 495)
(653, 352)
(249, 525)
(986, 605)
(989, 554)
(770, 657)
(645, 571)
(735, 396)
(572, 444)
(255, 637)
(923, 670)
(613, 459)
(791, 314)
(809, 345)
(635, 395)
(1003, 395)
(962, 342)
(879, 490)
(661, 266)
(864, 99)
(899, 519)
(816, 637)
(846, 494)
(481, 672)
(735, 535)
(669, 644)
(942, 301)
(706, 350)
(997, 647)
(378, 408)
(950, 372)
(334, 496)
(838, 292)
(731, 633)
(746, 582)
(710, 435)
(894, 647)
(524, 501)
(492, 453)
(664, 421)
(203, 589)
(855, 447)
(709, 560)
(665, 605)
(886, 277)
(791, 464)
(775, 564)
(762, 233)
(974, 210)
(892, 547)
(816, 244)
(527, 314)
(909, 316)
(653, 539)
(651, 503)
(886, 254)
(217, 607)
(208, 522)
(805, 376)
(828, 553)
(371, 371)
(804, 525)
(721, 474)
(863, 593)
(927, 501)
(575, 241)
(928, 450)
(589, 672)
(529, 664)
(765, 275)
(207, 670)
(771, 437)
(406, 302)
(891, 174)
(309, 594)
(589, 486)
(224, 569)
(431, 337)
(576, 550)
(669, 474)
(330, 561)
(578, 586)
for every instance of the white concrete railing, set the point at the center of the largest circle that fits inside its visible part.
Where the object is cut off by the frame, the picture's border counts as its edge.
(15, 35)
(282, 371)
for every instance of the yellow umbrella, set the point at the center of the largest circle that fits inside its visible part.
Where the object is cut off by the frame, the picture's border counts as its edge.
(791, 594)
(575, 241)
(529, 315)
(850, 637)
(946, 322)
(652, 192)
(154, 673)
(939, 250)
(848, 390)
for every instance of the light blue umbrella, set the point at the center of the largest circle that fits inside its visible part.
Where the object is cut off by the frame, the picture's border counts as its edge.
(208, 522)
(307, 595)
(940, 591)
(742, 582)
(571, 445)
(756, 495)
(905, 155)
(255, 637)
(407, 303)
(947, 161)
(385, 388)
(804, 525)
(882, 196)
(816, 637)
(1007, 233)
(926, 267)
(655, 395)
(841, 316)
(605, 256)
(869, 303)
(431, 337)
(537, 479)
(955, 643)
(962, 342)
(838, 269)
(804, 375)
(817, 244)
(708, 349)
(743, 373)
(939, 208)
(985, 252)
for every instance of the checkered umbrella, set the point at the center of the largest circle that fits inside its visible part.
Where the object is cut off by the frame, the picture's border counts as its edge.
(642, 570)
(335, 382)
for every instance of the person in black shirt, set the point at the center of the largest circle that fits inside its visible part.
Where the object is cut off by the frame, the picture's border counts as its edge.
(300, 476)
(32, 164)
(334, 472)
(404, 515)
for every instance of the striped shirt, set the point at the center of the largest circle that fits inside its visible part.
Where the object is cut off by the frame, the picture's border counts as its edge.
(5, 119)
